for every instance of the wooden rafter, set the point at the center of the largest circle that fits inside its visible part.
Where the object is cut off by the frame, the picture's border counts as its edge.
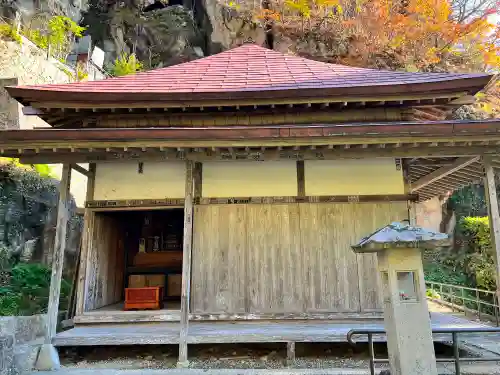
(443, 172)
(81, 170)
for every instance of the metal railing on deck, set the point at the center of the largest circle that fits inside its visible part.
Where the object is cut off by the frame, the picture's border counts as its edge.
(454, 332)
(483, 303)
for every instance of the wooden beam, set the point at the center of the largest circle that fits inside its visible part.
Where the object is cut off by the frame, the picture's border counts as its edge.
(493, 213)
(301, 182)
(430, 163)
(310, 199)
(466, 99)
(31, 111)
(131, 203)
(81, 170)
(268, 154)
(442, 172)
(186, 264)
(178, 103)
(58, 256)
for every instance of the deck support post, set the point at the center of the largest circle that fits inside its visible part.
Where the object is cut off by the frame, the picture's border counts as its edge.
(186, 264)
(493, 213)
(47, 357)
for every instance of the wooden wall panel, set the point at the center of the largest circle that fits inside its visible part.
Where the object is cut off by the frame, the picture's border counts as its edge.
(219, 271)
(105, 263)
(286, 258)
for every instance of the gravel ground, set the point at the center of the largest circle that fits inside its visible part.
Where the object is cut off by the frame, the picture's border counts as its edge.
(309, 356)
(212, 357)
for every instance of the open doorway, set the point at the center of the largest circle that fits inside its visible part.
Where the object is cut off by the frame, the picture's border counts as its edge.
(143, 248)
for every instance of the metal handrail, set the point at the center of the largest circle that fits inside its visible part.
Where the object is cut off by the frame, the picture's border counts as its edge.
(448, 291)
(454, 334)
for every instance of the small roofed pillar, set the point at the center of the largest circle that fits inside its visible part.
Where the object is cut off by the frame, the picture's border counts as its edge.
(406, 317)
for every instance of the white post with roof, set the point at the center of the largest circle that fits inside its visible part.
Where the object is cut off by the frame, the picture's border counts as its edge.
(406, 317)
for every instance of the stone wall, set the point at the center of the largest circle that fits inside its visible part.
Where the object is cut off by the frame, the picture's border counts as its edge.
(9, 117)
(429, 214)
(26, 64)
(20, 340)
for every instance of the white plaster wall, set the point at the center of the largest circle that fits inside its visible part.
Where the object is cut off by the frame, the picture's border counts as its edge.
(249, 178)
(353, 177)
(122, 180)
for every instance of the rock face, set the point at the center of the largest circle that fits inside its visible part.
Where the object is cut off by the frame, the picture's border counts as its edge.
(160, 37)
(225, 28)
(28, 217)
(160, 32)
(163, 34)
(30, 8)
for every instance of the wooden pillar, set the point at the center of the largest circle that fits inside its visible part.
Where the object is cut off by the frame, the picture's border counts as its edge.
(58, 257)
(493, 213)
(290, 353)
(186, 263)
(412, 206)
(301, 180)
(87, 237)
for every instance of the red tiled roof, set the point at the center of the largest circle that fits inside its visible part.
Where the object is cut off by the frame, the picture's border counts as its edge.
(251, 71)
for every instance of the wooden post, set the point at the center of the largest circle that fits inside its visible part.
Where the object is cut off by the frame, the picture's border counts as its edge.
(197, 177)
(412, 213)
(493, 213)
(87, 234)
(290, 353)
(301, 184)
(58, 257)
(186, 264)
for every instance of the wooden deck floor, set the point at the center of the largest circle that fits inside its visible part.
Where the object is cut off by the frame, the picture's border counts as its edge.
(231, 332)
(114, 313)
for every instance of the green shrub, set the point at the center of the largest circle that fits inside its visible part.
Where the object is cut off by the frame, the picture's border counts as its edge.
(28, 290)
(445, 274)
(479, 257)
(8, 32)
(44, 170)
(125, 65)
(431, 293)
(59, 35)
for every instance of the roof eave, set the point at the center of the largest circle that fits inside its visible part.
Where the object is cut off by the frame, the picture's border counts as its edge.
(470, 86)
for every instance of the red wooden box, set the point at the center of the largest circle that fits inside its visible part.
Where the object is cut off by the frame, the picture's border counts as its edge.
(143, 298)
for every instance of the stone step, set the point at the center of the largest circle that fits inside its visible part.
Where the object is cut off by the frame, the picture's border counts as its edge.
(25, 356)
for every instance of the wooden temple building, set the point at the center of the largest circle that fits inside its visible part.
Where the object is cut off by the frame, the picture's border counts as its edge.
(238, 183)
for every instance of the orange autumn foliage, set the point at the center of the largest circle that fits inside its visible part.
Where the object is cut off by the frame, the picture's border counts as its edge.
(415, 35)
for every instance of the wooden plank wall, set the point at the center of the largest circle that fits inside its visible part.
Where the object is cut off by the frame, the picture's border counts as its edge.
(286, 258)
(105, 263)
